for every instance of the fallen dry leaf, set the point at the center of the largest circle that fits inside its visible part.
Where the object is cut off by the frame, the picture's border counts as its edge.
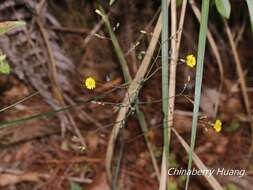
(208, 99)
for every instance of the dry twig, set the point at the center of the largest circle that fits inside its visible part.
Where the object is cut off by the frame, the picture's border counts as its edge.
(131, 95)
(242, 81)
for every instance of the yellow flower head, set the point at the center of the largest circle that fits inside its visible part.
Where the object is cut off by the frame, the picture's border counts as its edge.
(217, 125)
(190, 60)
(90, 83)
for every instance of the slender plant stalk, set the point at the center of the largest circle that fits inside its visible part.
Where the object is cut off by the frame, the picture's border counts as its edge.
(242, 81)
(56, 88)
(199, 76)
(165, 94)
(173, 65)
(117, 169)
(128, 79)
(181, 24)
(19, 102)
(120, 55)
(132, 92)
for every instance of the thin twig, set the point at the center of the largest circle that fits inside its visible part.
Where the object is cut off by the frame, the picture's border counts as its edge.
(131, 95)
(128, 78)
(92, 33)
(242, 82)
(181, 24)
(173, 64)
(70, 30)
(55, 80)
(201, 166)
(52, 65)
(57, 92)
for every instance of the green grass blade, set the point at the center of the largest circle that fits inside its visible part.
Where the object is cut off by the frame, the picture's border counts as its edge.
(250, 7)
(23, 120)
(5, 124)
(19, 102)
(165, 92)
(75, 186)
(116, 45)
(199, 76)
(10, 25)
(111, 2)
(223, 7)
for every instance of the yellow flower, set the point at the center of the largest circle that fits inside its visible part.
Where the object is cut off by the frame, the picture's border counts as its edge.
(190, 60)
(90, 83)
(217, 125)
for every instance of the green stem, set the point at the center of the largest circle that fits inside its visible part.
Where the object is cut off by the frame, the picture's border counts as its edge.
(123, 63)
(120, 55)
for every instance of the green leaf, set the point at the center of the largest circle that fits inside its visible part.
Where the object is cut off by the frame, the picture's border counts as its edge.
(173, 161)
(10, 25)
(2, 57)
(223, 7)
(172, 185)
(250, 6)
(75, 186)
(4, 67)
(179, 2)
(181, 179)
(231, 186)
(233, 126)
(111, 2)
